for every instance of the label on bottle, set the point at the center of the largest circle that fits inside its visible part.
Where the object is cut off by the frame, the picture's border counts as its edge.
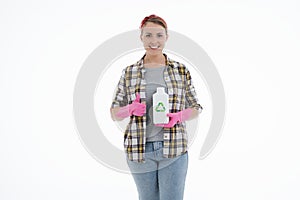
(160, 107)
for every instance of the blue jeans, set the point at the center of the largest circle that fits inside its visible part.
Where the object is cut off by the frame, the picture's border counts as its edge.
(159, 178)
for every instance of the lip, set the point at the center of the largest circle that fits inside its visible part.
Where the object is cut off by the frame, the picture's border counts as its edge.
(154, 48)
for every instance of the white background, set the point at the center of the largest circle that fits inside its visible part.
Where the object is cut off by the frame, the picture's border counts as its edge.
(254, 45)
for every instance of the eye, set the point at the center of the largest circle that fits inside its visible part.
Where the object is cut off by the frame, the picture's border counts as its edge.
(159, 35)
(147, 35)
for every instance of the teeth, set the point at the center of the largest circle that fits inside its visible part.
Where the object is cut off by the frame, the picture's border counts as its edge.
(153, 47)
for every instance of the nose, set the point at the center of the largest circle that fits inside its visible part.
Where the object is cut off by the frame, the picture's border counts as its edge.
(153, 40)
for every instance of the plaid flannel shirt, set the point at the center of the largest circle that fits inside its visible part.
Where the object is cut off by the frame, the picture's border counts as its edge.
(179, 88)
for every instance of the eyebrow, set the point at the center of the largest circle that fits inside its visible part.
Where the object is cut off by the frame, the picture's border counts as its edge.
(156, 33)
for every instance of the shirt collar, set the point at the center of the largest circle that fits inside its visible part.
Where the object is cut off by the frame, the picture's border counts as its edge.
(169, 62)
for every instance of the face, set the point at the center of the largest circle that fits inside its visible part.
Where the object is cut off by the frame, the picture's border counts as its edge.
(154, 38)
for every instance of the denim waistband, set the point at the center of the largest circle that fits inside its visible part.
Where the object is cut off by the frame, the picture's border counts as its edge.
(153, 146)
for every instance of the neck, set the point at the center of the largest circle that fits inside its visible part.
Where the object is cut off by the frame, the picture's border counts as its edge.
(155, 59)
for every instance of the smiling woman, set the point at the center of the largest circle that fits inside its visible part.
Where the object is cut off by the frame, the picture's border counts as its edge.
(157, 154)
(154, 36)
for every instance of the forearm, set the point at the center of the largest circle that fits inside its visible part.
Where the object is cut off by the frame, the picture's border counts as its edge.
(190, 113)
(113, 114)
(194, 113)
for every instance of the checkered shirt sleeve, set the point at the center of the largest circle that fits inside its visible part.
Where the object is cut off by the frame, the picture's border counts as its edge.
(120, 98)
(190, 94)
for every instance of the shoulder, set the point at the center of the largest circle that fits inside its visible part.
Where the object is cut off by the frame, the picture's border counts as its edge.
(178, 66)
(129, 69)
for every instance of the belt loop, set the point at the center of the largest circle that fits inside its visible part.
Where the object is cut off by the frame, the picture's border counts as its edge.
(155, 146)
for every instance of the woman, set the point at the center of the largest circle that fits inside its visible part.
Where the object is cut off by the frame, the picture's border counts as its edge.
(156, 154)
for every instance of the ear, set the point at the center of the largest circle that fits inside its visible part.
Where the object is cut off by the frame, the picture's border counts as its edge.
(167, 37)
(141, 35)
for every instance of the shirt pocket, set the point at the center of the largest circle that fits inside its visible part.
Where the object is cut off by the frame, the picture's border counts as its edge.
(178, 82)
(131, 96)
(178, 88)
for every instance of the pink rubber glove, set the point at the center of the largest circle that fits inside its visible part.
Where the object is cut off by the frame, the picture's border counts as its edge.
(135, 108)
(177, 117)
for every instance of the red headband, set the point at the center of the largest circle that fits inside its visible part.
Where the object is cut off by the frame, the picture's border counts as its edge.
(150, 17)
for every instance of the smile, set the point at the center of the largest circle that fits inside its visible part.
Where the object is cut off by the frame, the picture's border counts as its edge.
(154, 47)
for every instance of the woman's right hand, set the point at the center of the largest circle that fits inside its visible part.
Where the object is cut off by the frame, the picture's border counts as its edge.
(135, 108)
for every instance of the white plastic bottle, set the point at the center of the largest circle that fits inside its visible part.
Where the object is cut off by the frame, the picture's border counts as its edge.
(160, 106)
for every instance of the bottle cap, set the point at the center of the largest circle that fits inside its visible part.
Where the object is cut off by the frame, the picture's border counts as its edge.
(160, 90)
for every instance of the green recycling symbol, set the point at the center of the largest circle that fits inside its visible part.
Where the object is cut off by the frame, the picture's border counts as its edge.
(160, 107)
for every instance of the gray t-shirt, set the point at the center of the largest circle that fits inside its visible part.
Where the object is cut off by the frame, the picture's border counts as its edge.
(154, 78)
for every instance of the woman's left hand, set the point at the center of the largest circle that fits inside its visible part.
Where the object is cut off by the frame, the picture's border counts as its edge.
(174, 118)
(177, 117)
